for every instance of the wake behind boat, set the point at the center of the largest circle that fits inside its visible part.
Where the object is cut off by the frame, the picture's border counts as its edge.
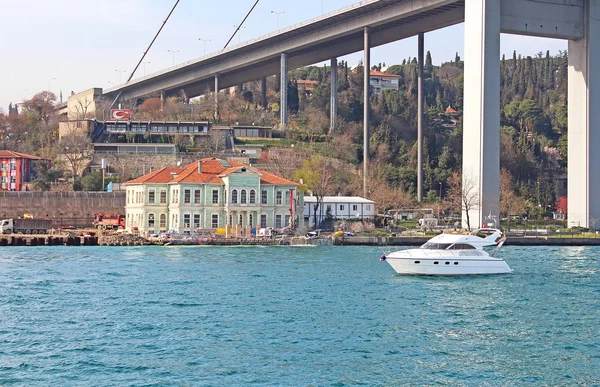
(452, 254)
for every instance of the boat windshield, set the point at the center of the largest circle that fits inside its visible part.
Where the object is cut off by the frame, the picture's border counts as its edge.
(462, 246)
(435, 246)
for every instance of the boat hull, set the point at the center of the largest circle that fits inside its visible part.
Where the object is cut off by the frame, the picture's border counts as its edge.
(450, 266)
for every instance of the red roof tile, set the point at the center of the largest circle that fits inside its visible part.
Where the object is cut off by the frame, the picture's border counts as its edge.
(382, 74)
(212, 172)
(161, 176)
(4, 154)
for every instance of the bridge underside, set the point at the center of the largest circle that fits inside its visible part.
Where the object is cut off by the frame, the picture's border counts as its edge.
(389, 22)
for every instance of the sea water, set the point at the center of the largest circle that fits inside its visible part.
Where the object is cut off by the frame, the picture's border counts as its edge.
(285, 316)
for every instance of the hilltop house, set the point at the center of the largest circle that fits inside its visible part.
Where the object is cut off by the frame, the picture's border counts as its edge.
(210, 193)
(381, 81)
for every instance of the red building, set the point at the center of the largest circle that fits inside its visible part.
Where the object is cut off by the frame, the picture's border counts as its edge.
(17, 169)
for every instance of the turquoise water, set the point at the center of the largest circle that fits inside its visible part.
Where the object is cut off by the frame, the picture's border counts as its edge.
(285, 316)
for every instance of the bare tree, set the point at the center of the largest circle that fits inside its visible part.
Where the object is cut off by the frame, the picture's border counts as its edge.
(217, 140)
(81, 109)
(317, 178)
(77, 150)
(510, 203)
(463, 194)
(593, 222)
(284, 162)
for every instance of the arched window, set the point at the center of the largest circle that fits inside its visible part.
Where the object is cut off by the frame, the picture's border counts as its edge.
(151, 221)
(252, 196)
(163, 221)
(243, 197)
(234, 198)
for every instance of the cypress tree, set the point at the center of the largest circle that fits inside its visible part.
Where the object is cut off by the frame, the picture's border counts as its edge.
(428, 67)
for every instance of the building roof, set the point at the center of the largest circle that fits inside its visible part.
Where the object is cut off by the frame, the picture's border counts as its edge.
(339, 199)
(213, 170)
(449, 110)
(376, 73)
(5, 154)
(306, 82)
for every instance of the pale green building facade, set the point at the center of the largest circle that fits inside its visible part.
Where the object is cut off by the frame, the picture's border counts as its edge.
(211, 194)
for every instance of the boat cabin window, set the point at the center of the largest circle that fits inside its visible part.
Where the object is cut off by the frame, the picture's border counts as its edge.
(436, 246)
(462, 246)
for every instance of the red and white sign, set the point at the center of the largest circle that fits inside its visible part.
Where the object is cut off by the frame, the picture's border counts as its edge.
(120, 114)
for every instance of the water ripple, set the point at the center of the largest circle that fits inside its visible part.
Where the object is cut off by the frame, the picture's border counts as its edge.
(328, 316)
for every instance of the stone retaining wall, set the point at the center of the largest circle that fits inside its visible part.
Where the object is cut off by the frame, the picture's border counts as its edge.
(64, 205)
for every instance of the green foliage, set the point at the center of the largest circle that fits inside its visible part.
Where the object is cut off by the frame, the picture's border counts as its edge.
(92, 182)
(46, 176)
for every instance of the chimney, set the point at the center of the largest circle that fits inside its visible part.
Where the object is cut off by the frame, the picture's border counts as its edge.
(199, 167)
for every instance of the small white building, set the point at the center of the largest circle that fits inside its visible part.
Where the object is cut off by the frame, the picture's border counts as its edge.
(339, 207)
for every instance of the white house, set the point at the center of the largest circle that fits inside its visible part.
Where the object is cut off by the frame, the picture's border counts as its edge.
(338, 207)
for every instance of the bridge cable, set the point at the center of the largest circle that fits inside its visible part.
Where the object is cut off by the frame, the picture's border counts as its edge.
(146, 52)
(241, 24)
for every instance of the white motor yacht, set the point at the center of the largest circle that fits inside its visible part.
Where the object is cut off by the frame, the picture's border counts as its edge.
(452, 254)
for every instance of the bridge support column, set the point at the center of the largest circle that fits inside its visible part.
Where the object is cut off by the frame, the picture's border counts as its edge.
(263, 92)
(283, 103)
(481, 129)
(216, 97)
(583, 198)
(163, 98)
(367, 110)
(334, 95)
(421, 58)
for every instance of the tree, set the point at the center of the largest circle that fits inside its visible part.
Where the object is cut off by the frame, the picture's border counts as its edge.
(77, 150)
(41, 105)
(46, 176)
(151, 109)
(428, 67)
(463, 195)
(217, 140)
(316, 177)
(92, 182)
(510, 203)
(293, 99)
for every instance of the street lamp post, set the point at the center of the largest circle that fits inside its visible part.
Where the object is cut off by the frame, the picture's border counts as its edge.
(204, 41)
(173, 52)
(120, 73)
(277, 14)
(239, 32)
(50, 80)
(145, 63)
(440, 200)
(322, 12)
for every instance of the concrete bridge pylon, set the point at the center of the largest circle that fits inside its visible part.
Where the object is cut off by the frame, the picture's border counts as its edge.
(578, 21)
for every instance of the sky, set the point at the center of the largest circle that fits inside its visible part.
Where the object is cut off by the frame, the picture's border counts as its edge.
(74, 45)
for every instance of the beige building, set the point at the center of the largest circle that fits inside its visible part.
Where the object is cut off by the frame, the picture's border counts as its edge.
(80, 106)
